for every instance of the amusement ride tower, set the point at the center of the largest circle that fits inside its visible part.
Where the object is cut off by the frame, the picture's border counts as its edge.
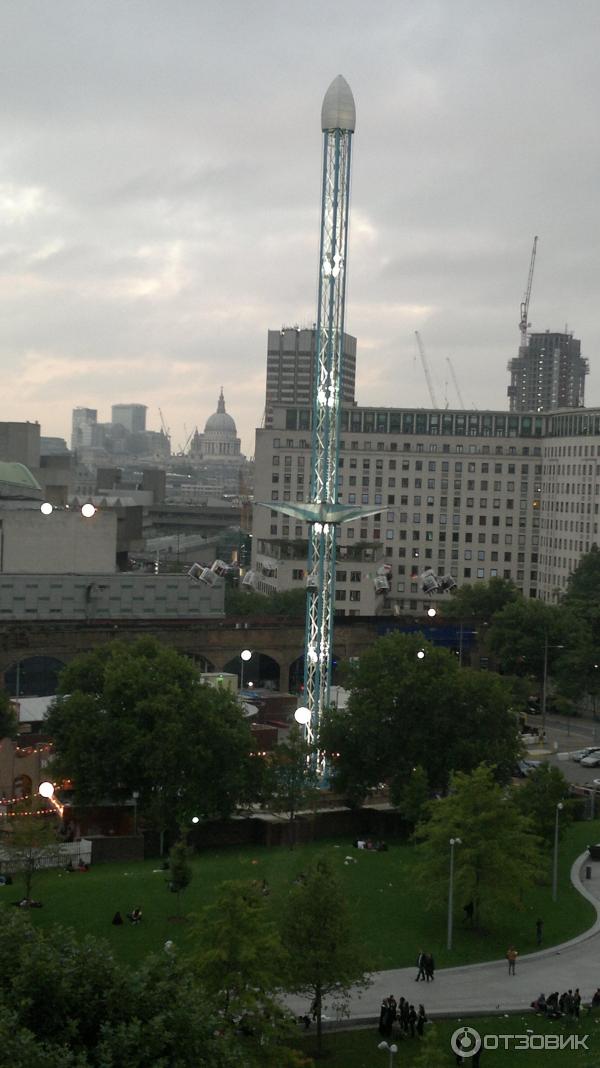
(323, 513)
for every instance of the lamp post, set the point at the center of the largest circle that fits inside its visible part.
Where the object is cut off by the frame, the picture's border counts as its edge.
(245, 656)
(559, 809)
(545, 682)
(135, 795)
(392, 1050)
(453, 842)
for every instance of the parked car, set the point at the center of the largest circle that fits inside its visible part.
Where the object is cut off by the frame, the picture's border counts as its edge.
(592, 760)
(579, 754)
(525, 767)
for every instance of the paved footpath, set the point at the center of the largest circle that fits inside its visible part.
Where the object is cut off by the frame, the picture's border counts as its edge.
(483, 988)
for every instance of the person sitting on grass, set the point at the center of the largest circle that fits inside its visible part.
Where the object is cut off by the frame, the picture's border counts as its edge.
(117, 919)
(539, 1004)
(135, 915)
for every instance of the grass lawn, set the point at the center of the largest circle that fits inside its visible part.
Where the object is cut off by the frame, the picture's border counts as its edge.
(358, 1049)
(380, 887)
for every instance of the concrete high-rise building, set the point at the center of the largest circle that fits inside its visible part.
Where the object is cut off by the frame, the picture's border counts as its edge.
(84, 424)
(472, 494)
(291, 364)
(548, 374)
(130, 416)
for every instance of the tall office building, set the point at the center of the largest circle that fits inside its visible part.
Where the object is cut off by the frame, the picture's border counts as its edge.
(130, 416)
(84, 427)
(472, 494)
(290, 368)
(548, 374)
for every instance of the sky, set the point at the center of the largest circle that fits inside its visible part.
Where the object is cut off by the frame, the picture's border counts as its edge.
(160, 168)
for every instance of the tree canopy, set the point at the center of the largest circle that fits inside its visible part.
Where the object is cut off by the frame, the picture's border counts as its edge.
(498, 856)
(67, 1001)
(239, 959)
(137, 718)
(538, 797)
(8, 717)
(481, 600)
(404, 711)
(519, 631)
(325, 957)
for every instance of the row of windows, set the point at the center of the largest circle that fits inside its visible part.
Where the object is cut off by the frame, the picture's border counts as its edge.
(445, 424)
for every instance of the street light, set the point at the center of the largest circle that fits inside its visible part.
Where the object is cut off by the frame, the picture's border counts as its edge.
(545, 682)
(245, 656)
(302, 716)
(559, 808)
(421, 654)
(393, 1049)
(46, 789)
(135, 795)
(453, 842)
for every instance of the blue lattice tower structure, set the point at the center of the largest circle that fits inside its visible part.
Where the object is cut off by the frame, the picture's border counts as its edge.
(323, 512)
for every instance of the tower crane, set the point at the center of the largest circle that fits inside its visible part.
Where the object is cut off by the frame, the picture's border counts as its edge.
(523, 323)
(453, 376)
(164, 426)
(421, 348)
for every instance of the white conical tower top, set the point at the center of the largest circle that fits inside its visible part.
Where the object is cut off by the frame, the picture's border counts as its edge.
(338, 111)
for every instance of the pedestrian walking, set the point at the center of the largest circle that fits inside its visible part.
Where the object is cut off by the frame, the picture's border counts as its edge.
(539, 931)
(420, 966)
(511, 956)
(429, 966)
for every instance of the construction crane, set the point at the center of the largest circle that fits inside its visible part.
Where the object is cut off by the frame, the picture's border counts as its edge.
(164, 426)
(524, 324)
(453, 376)
(421, 348)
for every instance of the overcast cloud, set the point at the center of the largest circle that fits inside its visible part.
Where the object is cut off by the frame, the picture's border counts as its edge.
(159, 195)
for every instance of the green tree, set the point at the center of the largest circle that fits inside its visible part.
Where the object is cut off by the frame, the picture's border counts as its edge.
(404, 711)
(499, 856)
(432, 1052)
(519, 633)
(30, 843)
(285, 604)
(21, 1049)
(180, 870)
(415, 796)
(583, 586)
(137, 718)
(293, 780)
(538, 797)
(8, 717)
(481, 600)
(67, 997)
(325, 959)
(239, 960)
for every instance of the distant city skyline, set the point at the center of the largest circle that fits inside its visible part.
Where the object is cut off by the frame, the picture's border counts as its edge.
(159, 213)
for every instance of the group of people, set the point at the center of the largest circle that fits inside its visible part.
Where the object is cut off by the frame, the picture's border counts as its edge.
(568, 1004)
(400, 1018)
(426, 966)
(134, 917)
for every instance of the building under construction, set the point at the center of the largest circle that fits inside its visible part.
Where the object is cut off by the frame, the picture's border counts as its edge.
(548, 373)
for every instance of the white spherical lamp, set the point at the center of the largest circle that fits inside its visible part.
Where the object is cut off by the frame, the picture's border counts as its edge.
(246, 655)
(88, 511)
(46, 789)
(46, 508)
(302, 715)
